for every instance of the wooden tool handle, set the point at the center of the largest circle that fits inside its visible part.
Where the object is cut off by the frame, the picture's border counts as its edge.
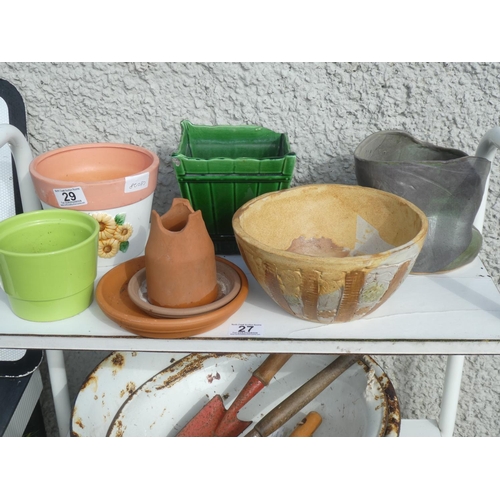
(308, 425)
(271, 365)
(305, 394)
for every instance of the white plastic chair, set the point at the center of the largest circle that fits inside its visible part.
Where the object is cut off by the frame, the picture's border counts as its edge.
(20, 379)
(18, 179)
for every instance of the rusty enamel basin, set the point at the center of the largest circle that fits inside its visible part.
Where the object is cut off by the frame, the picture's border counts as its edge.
(107, 387)
(362, 402)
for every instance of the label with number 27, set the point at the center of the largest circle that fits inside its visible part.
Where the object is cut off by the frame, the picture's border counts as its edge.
(246, 329)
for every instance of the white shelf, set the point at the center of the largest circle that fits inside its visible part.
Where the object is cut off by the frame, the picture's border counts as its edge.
(452, 313)
(455, 313)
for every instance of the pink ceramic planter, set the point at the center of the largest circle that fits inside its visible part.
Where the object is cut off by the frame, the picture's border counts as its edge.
(110, 175)
(114, 183)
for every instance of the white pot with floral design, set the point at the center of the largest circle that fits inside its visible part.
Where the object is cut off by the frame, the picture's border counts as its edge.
(114, 183)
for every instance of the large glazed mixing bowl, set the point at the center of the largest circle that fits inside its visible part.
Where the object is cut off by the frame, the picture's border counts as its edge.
(327, 252)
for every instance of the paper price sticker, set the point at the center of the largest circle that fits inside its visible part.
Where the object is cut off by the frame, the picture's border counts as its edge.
(70, 197)
(246, 329)
(136, 182)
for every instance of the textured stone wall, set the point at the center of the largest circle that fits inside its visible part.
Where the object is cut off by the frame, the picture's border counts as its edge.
(326, 109)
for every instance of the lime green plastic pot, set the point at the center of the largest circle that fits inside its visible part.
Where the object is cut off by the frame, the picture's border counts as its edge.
(48, 263)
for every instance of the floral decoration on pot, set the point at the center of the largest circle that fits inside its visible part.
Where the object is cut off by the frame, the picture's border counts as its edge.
(114, 234)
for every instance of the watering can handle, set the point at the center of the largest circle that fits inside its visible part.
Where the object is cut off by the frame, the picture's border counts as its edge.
(489, 144)
(22, 156)
(487, 148)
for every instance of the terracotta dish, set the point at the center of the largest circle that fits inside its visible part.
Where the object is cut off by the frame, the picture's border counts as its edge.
(327, 252)
(113, 298)
(228, 281)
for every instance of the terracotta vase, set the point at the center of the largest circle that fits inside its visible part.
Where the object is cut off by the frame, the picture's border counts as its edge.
(180, 259)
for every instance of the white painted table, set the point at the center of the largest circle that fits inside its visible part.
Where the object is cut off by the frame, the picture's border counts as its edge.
(456, 313)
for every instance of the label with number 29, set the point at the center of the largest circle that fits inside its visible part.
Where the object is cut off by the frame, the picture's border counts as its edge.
(70, 197)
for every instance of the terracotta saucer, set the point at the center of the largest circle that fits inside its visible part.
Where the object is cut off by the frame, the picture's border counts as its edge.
(113, 298)
(228, 281)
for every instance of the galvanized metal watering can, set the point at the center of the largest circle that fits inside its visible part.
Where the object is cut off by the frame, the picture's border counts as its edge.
(447, 184)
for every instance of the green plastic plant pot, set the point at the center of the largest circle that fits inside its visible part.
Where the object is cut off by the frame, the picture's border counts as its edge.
(221, 167)
(48, 263)
(53, 310)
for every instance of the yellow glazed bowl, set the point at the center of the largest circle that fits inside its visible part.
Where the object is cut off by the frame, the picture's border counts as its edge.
(328, 252)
